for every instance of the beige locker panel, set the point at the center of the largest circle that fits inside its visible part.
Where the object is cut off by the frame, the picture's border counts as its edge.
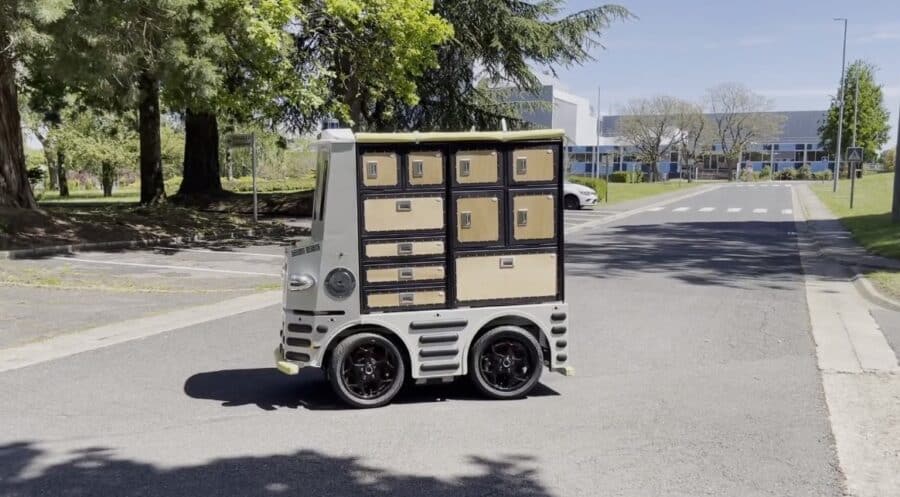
(379, 169)
(411, 298)
(403, 214)
(400, 274)
(478, 219)
(499, 276)
(404, 249)
(534, 216)
(533, 164)
(476, 167)
(425, 168)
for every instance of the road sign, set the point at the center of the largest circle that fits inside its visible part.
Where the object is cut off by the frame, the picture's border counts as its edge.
(854, 157)
(854, 154)
(239, 141)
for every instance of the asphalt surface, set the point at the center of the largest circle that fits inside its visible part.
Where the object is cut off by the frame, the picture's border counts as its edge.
(696, 376)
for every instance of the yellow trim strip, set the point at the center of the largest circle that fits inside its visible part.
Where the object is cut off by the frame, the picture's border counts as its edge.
(461, 136)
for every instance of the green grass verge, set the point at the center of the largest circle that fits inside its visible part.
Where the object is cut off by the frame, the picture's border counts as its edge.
(623, 192)
(869, 221)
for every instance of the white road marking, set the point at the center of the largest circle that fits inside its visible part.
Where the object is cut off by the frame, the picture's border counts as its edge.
(734, 209)
(220, 252)
(760, 211)
(160, 266)
(680, 209)
(655, 209)
(787, 211)
(707, 209)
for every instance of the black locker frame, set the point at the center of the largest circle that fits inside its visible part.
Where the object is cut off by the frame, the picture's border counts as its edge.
(449, 236)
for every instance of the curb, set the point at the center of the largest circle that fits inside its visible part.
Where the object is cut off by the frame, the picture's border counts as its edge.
(36, 252)
(862, 284)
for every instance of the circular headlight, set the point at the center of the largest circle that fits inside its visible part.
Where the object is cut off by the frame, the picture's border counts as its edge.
(340, 283)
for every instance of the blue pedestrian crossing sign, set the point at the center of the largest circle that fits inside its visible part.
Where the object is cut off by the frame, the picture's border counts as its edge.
(854, 154)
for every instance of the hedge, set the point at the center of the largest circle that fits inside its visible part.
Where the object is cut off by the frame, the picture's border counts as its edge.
(598, 184)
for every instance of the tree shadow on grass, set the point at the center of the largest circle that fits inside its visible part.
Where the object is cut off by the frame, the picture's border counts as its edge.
(96, 471)
(269, 390)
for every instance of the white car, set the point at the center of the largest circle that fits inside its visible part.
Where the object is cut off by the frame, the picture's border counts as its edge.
(578, 196)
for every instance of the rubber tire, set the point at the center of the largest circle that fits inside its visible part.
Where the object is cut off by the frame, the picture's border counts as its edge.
(478, 347)
(334, 371)
(571, 202)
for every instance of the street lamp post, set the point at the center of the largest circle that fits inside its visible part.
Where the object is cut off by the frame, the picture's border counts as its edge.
(837, 157)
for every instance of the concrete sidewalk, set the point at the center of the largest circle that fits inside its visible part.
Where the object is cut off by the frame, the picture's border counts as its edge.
(860, 372)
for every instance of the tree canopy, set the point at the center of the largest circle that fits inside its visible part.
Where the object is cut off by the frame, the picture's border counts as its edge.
(740, 118)
(874, 121)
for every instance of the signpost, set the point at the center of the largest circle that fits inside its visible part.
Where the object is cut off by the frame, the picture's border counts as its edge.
(854, 158)
(248, 141)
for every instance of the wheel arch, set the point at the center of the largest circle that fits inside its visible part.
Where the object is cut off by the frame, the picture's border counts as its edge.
(513, 318)
(356, 328)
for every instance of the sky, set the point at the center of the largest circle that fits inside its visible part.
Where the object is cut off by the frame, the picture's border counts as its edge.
(788, 50)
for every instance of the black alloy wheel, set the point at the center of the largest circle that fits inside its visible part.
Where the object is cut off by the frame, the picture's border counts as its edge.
(505, 363)
(366, 370)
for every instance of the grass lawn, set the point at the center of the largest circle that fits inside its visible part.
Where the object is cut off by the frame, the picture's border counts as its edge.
(869, 221)
(623, 192)
(123, 195)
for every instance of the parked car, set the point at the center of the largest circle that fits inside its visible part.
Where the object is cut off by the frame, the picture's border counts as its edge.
(578, 196)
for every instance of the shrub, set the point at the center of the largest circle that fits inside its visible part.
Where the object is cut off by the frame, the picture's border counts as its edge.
(786, 174)
(626, 177)
(598, 184)
(766, 172)
(805, 172)
(822, 175)
(35, 175)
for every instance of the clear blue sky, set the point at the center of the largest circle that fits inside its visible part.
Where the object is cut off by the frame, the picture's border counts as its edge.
(789, 50)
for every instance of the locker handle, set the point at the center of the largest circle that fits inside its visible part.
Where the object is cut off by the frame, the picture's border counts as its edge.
(522, 217)
(418, 169)
(521, 166)
(405, 273)
(507, 262)
(465, 166)
(371, 170)
(404, 205)
(407, 298)
(465, 220)
(405, 248)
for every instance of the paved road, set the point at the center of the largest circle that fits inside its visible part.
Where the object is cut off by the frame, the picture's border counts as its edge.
(697, 376)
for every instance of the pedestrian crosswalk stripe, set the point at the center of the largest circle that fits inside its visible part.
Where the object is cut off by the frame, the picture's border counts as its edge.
(655, 209)
(734, 209)
(707, 209)
(680, 209)
(787, 211)
(760, 211)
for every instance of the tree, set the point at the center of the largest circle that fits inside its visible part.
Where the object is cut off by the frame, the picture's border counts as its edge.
(889, 158)
(740, 118)
(99, 142)
(20, 30)
(650, 127)
(873, 122)
(495, 43)
(695, 134)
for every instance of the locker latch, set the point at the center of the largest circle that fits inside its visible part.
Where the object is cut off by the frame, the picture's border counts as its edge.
(405, 248)
(507, 262)
(465, 167)
(407, 298)
(522, 217)
(372, 170)
(404, 206)
(465, 219)
(418, 169)
(405, 273)
(521, 166)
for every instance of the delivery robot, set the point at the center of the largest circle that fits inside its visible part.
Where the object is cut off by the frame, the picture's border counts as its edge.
(432, 255)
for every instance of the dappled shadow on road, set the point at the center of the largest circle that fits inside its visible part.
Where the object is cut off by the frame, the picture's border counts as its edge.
(268, 389)
(96, 471)
(732, 254)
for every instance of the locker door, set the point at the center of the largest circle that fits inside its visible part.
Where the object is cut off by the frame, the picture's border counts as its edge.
(533, 215)
(379, 170)
(425, 168)
(403, 213)
(505, 276)
(477, 167)
(478, 218)
(533, 165)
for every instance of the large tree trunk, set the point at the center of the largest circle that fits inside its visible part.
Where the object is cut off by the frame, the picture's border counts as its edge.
(153, 190)
(61, 173)
(15, 191)
(201, 154)
(107, 178)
